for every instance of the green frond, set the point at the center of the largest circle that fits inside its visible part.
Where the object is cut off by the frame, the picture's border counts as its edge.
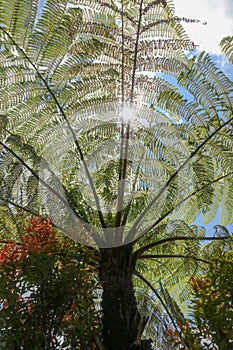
(19, 18)
(165, 64)
(226, 211)
(226, 44)
(209, 86)
(102, 6)
(172, 265)
(172, 306)
(12, 223)
(157, 46)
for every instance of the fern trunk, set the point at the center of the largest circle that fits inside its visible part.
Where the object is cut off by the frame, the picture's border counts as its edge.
(122, 323)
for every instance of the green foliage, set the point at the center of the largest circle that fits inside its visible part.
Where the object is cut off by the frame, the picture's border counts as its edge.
(226, 45)
(11, 222)
(68, 71)
(212, 304)
(63, 83)
(211, 314)
(47, 292)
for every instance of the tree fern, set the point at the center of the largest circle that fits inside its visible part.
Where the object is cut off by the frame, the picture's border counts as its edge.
(114, 153)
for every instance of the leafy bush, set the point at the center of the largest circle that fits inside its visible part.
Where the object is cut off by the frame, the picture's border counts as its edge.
(47, 292)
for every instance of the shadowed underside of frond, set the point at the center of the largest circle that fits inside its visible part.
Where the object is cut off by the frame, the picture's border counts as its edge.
(63, 82)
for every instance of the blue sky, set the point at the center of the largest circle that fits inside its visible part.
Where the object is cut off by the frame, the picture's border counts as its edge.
(217, 13)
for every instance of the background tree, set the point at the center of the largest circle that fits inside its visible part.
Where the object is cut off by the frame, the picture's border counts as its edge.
(47, 292)
(75, 89)
(210, 323)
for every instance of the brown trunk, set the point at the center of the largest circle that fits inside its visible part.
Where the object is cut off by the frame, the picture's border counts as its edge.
(122, 323)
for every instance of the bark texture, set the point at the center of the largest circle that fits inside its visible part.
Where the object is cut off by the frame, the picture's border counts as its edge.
(122, 323)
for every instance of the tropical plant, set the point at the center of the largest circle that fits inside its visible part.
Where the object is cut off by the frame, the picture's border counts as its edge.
(47, 291)
(96, 136)
(210, 321)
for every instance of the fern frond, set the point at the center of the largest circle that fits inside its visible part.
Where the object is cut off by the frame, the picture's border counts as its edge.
(226, 45)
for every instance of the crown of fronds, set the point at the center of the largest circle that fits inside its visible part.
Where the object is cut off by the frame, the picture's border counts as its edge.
(67, 68)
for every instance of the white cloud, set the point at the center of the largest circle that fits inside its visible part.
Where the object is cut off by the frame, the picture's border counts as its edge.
(218, 15)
